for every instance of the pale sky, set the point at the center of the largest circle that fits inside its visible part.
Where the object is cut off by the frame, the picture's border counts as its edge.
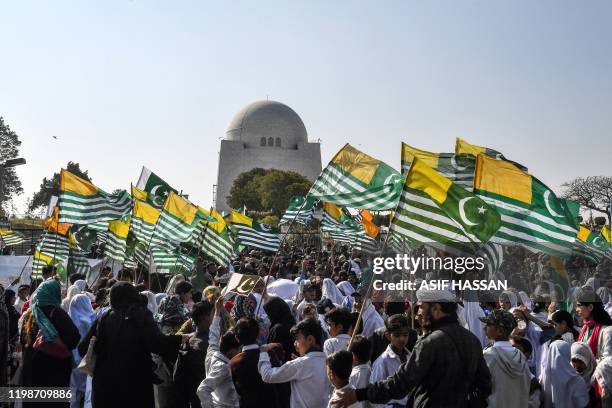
(130, 83)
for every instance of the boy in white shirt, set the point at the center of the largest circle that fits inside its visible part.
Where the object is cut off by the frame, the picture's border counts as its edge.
(397, 332)
(361, 349)
(339, 365)
(217, 389)
(310, 387)
(338, 324)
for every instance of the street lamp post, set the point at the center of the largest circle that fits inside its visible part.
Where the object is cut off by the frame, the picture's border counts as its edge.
(18, 161)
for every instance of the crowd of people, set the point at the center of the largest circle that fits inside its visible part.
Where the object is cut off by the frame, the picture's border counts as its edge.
(298, 338)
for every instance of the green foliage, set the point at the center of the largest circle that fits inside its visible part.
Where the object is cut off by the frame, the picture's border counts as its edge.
(267, 190)
(10, 185)
(271, 220)
(50, 187)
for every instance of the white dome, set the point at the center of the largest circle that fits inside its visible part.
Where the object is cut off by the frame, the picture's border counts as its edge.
(263, 121)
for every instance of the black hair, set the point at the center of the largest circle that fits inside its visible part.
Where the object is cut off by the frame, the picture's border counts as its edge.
(228, 341)
(197, 296)
(75, 277)
(563, 316)
(48, 270)
(362, 349)
(341, 316)
(356, 328)
(201, 310)
(397, 322)
(182, 287)
(341, 363)
(598, 313)
(247, 330)
(140, 287)
(125, 274)
(393, 307)
(524, 344)
(308, 287)
(9, 297)
(448, 307)
(309, 327)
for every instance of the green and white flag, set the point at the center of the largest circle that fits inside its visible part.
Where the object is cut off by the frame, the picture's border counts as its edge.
(531, 214)
(156, 189)
(8, 238)
(54, 246)
(590, 245)
(301, 208)
(254, 234)
(434, 210)
(78, 263)
(176, 223)
(214, 239)
(144, 218)
(171, 262)
(458, 168)
(81, 202)
(116, 243)
(354, 179)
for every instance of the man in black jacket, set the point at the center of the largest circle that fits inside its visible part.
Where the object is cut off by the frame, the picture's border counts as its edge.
(446, 367)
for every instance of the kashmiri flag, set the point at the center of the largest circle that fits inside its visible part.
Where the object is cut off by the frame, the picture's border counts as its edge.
(561, 281)
(156, 189)
(171, 262)
(77, 261)
(81, 202)
(458, 168)
(8, 237)
(254, 234)
(590, 245)
(434, 210)
(116, 241)
(178, 219)
(144, 219)
(354, 179)
(463, 147)
(138, 194)
(39, 261)
(338, 224)
(214, 239)
(301, 209)
(54, 245)
(531, 213)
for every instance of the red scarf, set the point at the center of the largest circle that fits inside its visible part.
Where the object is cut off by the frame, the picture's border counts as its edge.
(594, 335)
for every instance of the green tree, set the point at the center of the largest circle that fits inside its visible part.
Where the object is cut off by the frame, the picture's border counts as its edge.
(10, 185)
(50, 187)
(267, 190)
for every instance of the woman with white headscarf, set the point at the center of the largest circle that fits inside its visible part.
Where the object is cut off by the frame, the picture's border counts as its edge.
(151, 301)
(74, 289)
(562, 386)
(345, 288)
(331, 292)
(525, 300)
(371, 320)
(583, 361)
(508, 300)
(82, 315)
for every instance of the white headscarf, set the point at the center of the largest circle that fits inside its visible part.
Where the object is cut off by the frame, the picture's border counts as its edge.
(511, 298)
(371, 320)
(582, 352)
(283, 288)
(81, 313)
(331, 292)
(525, 300)
(561, 385)
(345, 288)
(159, 297)
(75, 289)
(472, 313)
(603, 373)
(151, 301)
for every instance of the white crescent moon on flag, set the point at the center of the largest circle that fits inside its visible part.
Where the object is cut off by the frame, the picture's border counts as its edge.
(548, 207)
(154, 195)
(455, 165)
(595, 242)
(462, 211)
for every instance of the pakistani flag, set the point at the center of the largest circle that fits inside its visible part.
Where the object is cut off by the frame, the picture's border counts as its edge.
(81, 202)
(144, 219)
(301, 209)
(590, 245)
(434, 210)
(531, 214)
(458, 168)
(463, 147)
(155, 189)
(354, 179)
(254, 234)
(84, 236)
(176, 223)
(116, 243)
(8, 238)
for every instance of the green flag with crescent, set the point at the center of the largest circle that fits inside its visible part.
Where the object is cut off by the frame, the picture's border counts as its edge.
(157, 189)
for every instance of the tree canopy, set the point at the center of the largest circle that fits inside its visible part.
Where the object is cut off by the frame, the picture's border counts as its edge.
(10, 185)
(267, 190)
(50, 187)
(593, 192)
